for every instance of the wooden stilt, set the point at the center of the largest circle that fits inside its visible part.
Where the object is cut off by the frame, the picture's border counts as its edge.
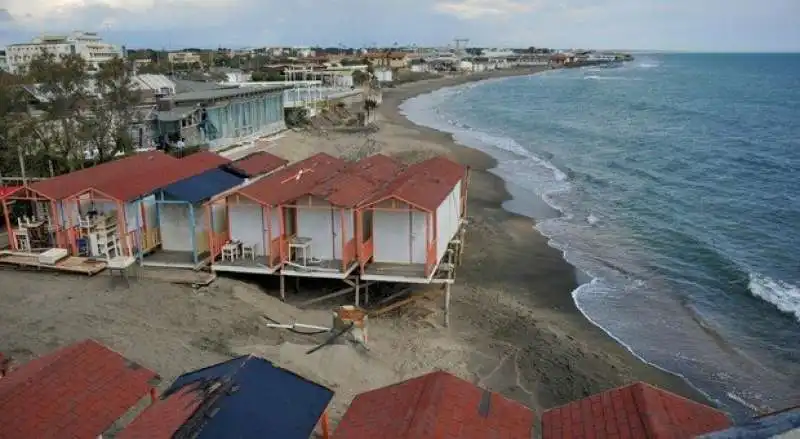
(283, 288)
(358, 293)
(447, 305)
(297, 284)
(366, 294)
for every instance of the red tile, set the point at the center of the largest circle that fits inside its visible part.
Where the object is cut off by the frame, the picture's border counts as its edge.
(49, 394)
(640, 411)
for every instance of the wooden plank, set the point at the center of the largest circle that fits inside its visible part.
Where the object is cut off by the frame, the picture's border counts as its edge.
(71, 264)
(337, 293)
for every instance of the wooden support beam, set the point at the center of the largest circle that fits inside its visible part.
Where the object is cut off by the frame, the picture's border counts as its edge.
(358, 295)
(447, 305)
(337, 293)
(283, 288)
(366, 294)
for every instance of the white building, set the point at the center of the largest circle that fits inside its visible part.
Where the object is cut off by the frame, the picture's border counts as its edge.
(88, 45)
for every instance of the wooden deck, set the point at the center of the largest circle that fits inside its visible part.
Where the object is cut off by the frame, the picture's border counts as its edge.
(70, 264)
(175, 259)
(258, 265)
(401, 273)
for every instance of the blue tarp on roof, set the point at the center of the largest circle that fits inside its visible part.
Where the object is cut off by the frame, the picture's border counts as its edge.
(261, 401)
(202, 186)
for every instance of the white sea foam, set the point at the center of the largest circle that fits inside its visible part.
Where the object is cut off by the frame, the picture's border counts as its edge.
(610, 289)
(785, 296)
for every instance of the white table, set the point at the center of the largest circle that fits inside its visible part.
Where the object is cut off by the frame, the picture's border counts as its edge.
(301, 243)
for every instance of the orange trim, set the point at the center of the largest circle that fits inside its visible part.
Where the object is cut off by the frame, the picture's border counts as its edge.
(27, 189)
(380, 200)
(9, 230)
(91, 191)
(325, 426)
(343, 240)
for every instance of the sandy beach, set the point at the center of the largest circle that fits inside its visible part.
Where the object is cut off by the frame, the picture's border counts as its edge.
(514, 326)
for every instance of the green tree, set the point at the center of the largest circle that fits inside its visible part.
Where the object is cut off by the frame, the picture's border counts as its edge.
(111, 112)
(63, 84)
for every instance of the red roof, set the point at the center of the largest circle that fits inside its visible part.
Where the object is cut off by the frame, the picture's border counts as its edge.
(294, 181)
(8, 190)
(164, 418)
(75, 392)
(434, 406)
(139, 182)
(123, 170)
(259, 163)
(635, 411)
(425, 184)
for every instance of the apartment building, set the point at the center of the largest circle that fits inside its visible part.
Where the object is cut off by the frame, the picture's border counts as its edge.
(184, 58)
(88, 45)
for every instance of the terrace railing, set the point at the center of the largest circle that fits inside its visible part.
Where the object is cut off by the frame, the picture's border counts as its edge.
(216, 241)
(430, 258)
(276, 250)
(365, 252)
(348, 254)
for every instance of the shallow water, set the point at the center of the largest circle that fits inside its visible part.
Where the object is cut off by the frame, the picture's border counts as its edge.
(676, 181)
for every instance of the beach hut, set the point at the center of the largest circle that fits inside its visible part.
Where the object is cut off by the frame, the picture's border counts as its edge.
(410, 223)
(299, 221)
(179, 213)
(432, 406)
(244, 398)
(250, 227)
(53, 217)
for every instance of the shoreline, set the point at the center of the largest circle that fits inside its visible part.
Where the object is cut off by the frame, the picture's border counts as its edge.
(482, 163)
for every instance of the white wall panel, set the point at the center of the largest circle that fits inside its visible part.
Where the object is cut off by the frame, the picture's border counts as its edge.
(390, 234)
(246, 224)
(176, 228)
(317, 224)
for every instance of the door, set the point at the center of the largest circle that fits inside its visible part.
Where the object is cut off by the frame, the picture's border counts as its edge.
(391, 231)
(418, 244)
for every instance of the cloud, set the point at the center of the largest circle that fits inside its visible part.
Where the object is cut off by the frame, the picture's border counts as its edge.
(656, 24)
(5, 16)
(474, 9)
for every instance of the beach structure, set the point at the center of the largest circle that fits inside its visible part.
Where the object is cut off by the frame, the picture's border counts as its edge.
(264, 217)
(436, 405)
(636, 411)
(57, 203)
(181, 222)
(323, 217)
(77, 391)
(415, 220)
(220, 117)
(121, 215)
(245, 398)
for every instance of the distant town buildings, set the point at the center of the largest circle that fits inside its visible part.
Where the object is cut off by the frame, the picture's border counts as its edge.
(184, 58)
(88, 45)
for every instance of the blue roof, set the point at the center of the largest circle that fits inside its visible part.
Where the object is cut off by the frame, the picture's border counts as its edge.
(263, 401)
(202, 186)
(770, 425)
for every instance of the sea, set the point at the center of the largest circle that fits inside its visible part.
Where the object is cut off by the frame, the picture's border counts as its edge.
(672, 182)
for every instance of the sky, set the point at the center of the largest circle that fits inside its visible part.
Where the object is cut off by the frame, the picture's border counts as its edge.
(683, 25)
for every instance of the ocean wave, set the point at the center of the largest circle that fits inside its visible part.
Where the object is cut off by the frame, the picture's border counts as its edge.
(611, 78)
(785, 296)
